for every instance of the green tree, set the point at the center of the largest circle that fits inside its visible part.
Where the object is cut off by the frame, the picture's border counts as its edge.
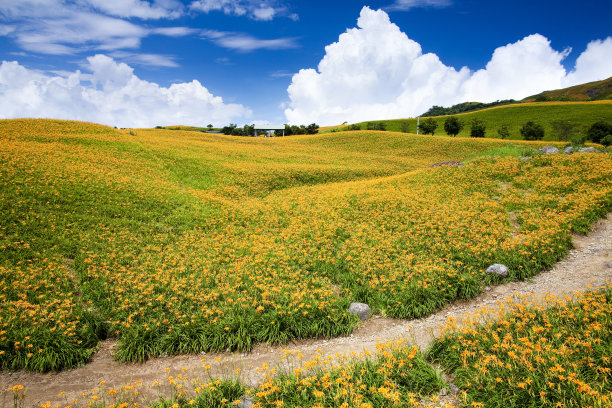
(478, 128)
(375, 126)
(598, 131)
(312, 129)
(532, 131)
(452, 126)
(564, 129)
(428, 126)
(503, 132)
(354, 126)
(209, 126)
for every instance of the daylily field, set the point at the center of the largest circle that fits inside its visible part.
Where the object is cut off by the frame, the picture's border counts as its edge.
(183, 242)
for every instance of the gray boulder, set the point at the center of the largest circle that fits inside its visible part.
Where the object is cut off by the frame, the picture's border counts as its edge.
(360, 309)
(245, 402)
(568, 150)
(498, 269)
(589, 149)
(549, 150)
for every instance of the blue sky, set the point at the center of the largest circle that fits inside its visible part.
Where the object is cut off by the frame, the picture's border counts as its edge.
(114, 61)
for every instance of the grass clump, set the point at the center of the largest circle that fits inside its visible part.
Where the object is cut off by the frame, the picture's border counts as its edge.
(558, 356)
(397, 376)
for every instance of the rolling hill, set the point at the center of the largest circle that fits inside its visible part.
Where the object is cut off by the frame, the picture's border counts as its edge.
(583, 114)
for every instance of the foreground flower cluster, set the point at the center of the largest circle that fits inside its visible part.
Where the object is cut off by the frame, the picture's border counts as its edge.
(177, 242)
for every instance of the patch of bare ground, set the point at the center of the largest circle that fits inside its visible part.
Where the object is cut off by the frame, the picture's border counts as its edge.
(588, 265)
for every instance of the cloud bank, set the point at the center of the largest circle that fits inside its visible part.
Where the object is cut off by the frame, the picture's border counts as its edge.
(374, 71)
(111, 94)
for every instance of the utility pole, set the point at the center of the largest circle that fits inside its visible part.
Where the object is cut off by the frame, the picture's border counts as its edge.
(418, 117)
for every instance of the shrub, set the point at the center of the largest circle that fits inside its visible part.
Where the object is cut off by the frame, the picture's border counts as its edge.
(428, 126)
(375, 126)
(563, 129)
(503, 132)
(452, 126)
(354, 126)
(532, 131)
(478, 128)
(598, 131)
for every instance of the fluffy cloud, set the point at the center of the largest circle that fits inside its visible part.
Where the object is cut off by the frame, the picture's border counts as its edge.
(375, 71)
(111, 94)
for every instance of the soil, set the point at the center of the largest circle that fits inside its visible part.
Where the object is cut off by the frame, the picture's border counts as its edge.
(588, 265)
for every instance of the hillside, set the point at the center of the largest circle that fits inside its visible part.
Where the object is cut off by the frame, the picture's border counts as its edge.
(591, 91)
(184, 242)
(583, 114)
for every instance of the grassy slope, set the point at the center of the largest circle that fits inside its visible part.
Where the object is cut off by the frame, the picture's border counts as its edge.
(514, 116)
(583, 92)
(185, 242)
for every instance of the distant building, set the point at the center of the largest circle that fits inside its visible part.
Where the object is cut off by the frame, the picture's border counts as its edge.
(269, 129)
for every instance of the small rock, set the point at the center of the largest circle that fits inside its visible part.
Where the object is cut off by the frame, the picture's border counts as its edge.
(245, 402)
(549, 150)
(498, 269)
(487, 288)
(443, 392)
(608, 264)
(453, 388)
(525, 158)
(568, 150)
(589, 149)
(447, 163)
(360, 309)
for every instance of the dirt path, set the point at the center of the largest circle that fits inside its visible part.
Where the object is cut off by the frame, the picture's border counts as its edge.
(588, 265)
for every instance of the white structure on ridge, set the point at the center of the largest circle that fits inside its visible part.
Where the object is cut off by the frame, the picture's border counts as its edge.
(269, 128)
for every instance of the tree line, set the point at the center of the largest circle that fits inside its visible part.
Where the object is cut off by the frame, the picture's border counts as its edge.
(249, 130)
(599, 132)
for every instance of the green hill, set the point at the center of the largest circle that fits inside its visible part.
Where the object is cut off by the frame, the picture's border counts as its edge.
(590, 91)
(583, 114)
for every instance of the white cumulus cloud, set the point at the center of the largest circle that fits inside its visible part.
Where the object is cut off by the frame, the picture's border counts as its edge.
(374, 71)
(110, 94)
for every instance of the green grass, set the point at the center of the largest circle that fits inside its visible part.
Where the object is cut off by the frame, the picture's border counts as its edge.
(584, 114)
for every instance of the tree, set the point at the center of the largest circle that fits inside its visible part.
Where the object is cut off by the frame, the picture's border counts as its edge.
(227, 130)
(503, 132)
(598, 131)
(354, 126)
(209, 126)
(404, 126)
(563, 129)
(375, 126)
(532, 131)
(452, 126)
(312, 129)
(478, 128)
(428, 126)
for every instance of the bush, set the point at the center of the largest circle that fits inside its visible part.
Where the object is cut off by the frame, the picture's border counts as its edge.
(532, 131)
(428, 126)
(503, 132)
(354, 127)
(563, 129)
(375, 126)
(478, 128)
(452, 126)
(598, 131)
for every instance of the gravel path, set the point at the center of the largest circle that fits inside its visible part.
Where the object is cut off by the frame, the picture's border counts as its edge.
(588, 265)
